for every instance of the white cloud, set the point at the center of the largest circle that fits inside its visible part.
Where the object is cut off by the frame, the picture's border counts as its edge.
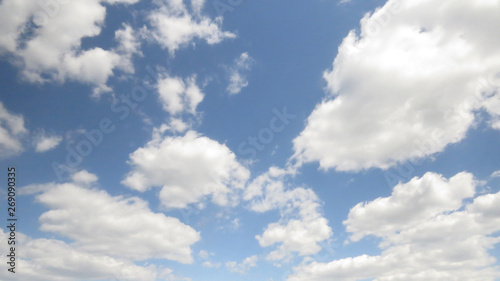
(237, 73)
(115, 226)
(84, 177)
(435, 242)
(244, 266)
(44, 142)
(54, 260)
(11, 130)
(45, 37)
(188, 169)
(178, 96)
(174, 26)
(301, 227)
(495, 174)
(435, 195)
(407, 86)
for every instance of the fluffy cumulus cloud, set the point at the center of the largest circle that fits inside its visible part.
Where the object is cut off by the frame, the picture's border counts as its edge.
(115, 226)
(237, 73)
(175, 24)
(45, 39)
(188, 169)
(301, 228)
(407, 85)
(435, 195)
(11, 130)
(179, 96)
(427, 232)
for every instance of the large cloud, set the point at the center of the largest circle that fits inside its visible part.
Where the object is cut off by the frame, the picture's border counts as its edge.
(188, 168)
(439, 240)
(407, 86)
(114, 226)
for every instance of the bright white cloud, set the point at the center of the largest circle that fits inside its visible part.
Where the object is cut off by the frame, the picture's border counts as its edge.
(84, 177)
(52, 51)
(435, 195)
(115, 226)
(44, 142)
(438, 240)
(301, 228)
(209, 264)
(237, 73)
(244, 266)
(188, 169)
(407, 86)
(54, 260)
(173, 25)
(11, 130)
(179, 96)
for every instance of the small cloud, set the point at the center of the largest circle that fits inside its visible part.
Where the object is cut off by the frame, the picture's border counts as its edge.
(495, 174)
(44, 142)
(236, 223)
(204, 254)
(84, 177)
(237, 73)
(242, 267)
(209, 264)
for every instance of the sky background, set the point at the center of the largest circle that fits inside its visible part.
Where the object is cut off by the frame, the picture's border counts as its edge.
(252, 140)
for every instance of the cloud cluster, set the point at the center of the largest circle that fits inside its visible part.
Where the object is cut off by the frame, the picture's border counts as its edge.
(407, 86)
(242, 267)
(427, 231)
(46, 40)
(106, 235)
(301, 227)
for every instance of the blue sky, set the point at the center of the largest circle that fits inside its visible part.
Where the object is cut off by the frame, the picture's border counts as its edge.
(252, 140)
